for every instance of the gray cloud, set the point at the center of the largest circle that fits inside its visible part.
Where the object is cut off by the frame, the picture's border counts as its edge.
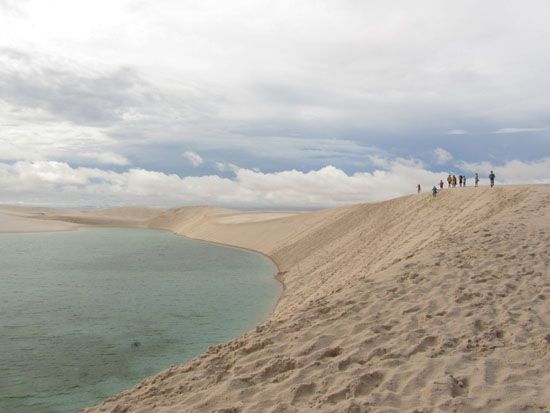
(457, 132)
(87, 99)
(520, 130)
(12, 7)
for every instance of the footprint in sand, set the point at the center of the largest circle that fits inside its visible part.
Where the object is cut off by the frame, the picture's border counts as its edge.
(479, 325)
(302, 392)
(412, 309)
(424, 345)
(453, 386)
(331, 352)
(361, 387)
(338, 396)
(367, 383)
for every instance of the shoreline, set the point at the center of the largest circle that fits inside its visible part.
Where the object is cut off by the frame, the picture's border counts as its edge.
(277, 276)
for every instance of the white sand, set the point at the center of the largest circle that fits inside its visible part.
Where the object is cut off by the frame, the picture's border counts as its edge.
(414, 304)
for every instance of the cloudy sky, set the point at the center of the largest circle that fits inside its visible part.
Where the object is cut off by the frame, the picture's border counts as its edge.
(267, 104)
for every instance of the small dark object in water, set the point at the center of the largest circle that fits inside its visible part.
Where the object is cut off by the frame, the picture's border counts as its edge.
(136, 344)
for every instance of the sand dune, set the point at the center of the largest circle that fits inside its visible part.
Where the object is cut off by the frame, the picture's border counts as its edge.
(414, 304)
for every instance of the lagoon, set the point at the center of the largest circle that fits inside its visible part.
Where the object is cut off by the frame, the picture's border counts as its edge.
(88, 313)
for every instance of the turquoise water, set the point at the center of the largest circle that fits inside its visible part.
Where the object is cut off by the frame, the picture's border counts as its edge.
(86, 314)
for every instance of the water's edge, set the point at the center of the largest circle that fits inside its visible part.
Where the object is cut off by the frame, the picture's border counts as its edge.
(278, 276)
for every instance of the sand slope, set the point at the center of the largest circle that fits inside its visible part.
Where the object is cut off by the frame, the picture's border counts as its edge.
(413, 304)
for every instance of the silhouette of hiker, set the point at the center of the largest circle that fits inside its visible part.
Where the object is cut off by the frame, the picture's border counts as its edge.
(418, 188)
(492, 177)
(434, 191)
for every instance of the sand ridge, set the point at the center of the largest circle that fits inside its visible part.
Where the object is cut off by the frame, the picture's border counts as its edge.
(414, 304)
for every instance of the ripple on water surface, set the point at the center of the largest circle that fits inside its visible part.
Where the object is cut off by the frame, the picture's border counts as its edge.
(89, 313)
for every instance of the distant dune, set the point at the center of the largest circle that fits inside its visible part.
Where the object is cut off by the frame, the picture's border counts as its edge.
(27, 219)
(414, 304)
(33, 219)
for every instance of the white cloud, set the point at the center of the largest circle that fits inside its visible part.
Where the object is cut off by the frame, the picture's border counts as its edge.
(220, 166)
(194, 158)
(226, 166)
(11, 7)
(50, 182)
(442, 156)
(513, 172)
(456, 132)
(379, 161)
(520, 130)
(109, 158)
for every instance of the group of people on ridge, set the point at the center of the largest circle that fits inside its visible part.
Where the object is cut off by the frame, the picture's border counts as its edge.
(452, 181)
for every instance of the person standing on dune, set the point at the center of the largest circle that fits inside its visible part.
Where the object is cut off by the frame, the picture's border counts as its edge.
(449, 180)
(434, 191)
(441, 184)
(492, 177)
(476, 179)
(418, 188)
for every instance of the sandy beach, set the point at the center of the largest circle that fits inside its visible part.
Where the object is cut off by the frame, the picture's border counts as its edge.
(414, 304)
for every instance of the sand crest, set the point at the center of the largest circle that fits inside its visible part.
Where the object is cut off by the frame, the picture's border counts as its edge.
(414, 304)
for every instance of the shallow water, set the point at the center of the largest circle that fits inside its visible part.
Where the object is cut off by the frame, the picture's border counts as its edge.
(86, 314)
